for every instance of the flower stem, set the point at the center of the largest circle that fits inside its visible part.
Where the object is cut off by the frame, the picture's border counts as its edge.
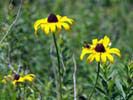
(59, 67)
(98, 71)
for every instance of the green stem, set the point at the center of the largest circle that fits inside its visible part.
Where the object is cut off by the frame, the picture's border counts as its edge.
(96, 81)
(59, 67)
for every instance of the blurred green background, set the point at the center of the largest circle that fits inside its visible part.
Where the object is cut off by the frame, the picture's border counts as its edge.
(36, 54)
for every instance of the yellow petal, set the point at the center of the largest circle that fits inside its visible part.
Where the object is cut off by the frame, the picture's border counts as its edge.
(52, 27)
(65, 19)
(115, 51)
(103, 57)
(110, 57)
(58, 17)
(32, 75)
(84, 52)
(106, 41)
(94, 41)
(100, 41)
(90, 58)
(66, 26)
(21, 79)
(38, 23)
(29, 77)
(46, 30)
(58, 25)
(42, 27)
(97, 57)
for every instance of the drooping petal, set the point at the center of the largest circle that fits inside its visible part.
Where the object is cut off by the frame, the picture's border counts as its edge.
(97, 57)
(106, 41)
(115, 51)
(53, 27)
(91, 58)
(42, 27)
(103, 57)
(110, 57)
(66, 26)
(47, 29)
(58, 25)
(38, 23)
(84, 52)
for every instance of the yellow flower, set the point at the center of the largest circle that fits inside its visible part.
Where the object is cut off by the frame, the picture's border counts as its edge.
(29, 77)
(18, 79)
(100, 51)
(53, 23)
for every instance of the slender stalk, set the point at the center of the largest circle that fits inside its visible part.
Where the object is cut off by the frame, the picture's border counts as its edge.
(59, 67)
(98, 71)
(55, 74)
(74, 78)
(8, 30)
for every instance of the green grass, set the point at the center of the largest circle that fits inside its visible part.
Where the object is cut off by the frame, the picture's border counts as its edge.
(92, 19)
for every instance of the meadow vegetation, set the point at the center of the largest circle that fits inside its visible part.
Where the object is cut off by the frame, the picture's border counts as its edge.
(23, 52)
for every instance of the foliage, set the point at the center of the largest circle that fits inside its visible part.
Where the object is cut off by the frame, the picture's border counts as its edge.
(36, 54)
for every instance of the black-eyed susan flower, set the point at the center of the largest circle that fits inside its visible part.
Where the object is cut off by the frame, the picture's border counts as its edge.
(53, 23)
(18, 79)
(100, 51)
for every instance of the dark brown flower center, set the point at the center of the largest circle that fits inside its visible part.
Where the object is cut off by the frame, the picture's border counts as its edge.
(16, 77)
(100, 48)
(52, 18)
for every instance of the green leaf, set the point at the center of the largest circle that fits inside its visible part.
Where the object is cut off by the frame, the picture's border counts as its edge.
(104, 83)
(129, 96)
(114, 95)
(100, 90)
(120, 88)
